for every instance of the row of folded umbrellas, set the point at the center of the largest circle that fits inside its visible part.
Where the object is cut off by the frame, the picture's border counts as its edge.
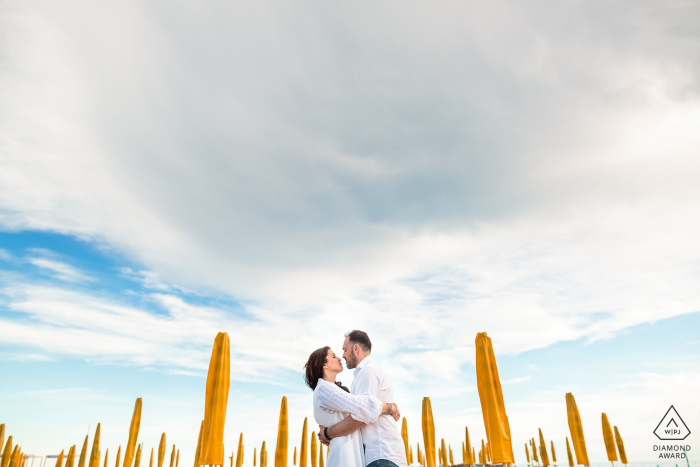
(210, 444)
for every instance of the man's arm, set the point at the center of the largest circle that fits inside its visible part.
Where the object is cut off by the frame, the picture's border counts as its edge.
(343, 428)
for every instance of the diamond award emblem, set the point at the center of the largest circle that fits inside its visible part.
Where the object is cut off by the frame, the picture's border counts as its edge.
(672, 426)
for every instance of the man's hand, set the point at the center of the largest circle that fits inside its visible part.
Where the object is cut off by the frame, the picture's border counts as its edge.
(321, 436)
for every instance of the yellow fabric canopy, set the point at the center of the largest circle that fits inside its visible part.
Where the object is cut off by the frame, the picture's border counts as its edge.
(302, 448)
(543, 450)
(609, 439)
(620, 447)
(218, 381)
(133, 434)
(283, 436)
(576, 430)
(492, 406)
(428, 432)
(404, 436)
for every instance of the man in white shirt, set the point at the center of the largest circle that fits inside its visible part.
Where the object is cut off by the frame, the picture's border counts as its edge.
(384, 446)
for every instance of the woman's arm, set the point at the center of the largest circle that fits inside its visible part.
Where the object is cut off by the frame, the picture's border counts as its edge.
(364, 408)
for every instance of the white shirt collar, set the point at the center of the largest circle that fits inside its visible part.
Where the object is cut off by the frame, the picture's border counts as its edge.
(362, 364)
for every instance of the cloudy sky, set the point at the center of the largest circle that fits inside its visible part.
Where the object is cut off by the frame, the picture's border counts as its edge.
(288, 172)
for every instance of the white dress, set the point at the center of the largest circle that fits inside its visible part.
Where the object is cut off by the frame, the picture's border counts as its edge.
(333, 405)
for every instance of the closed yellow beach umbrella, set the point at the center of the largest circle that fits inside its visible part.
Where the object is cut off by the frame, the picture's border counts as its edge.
(568, 453)
(218, 381)
(255, 456)
(420, 455)
(534, 451)
(95, 452)
(233, 454)
(428, 433)
(404, 436)
(492, 406)
(59, 461)
(70, 459)
(543, 450)
(137, 457)
(527, 453)
(314, 459)
(83, 454)
(13, 456)
(198, 451)
(177, 459)
(452, 459)
(161, 450)
(620, 447)
(473, 455)
(295, 456)
(302, 450)
(133, 434)
(609, 439)
(150, 462)
(468, 445)
(464, 454)
(576, 430)
(443, 453)
(119, 453)
(2, 436)
(106, 457)
(483, 450)
(554, 454)
(410, 455)
(172, 457)
(7, 452)
(263, 455)
(239, 454)
(320, 457)
(283, 436)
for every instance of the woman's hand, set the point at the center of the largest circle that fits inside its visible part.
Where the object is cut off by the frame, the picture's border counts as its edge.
(389, 408)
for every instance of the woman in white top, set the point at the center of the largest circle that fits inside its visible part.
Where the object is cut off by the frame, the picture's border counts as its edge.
(333, 403)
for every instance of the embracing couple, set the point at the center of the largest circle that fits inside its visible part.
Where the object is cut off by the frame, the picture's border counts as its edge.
(359, 424)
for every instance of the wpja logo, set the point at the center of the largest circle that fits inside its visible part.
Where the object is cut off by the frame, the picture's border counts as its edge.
(672, 428)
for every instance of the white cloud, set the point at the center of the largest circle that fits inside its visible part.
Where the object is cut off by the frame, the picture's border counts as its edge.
(424, 172)
(60, 270)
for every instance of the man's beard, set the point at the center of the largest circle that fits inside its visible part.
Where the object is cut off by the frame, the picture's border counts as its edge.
(351, 361)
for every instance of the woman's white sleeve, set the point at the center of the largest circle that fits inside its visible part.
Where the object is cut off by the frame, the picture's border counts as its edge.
(363, 408)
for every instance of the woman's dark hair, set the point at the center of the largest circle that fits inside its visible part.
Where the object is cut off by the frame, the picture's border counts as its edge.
(314, 368)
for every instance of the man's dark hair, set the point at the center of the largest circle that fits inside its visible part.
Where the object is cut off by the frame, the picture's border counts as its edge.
(360, 338)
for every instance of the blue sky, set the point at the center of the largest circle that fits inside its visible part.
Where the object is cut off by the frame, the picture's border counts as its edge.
(288, 172)
(60, 389)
